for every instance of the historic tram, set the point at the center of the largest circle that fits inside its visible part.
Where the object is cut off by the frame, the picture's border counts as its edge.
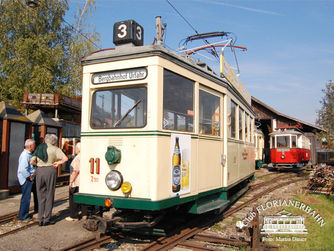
(289, 148)
(160, 131)
(259, 148)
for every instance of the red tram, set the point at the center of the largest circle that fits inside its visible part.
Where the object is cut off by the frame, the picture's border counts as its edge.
(289, 148)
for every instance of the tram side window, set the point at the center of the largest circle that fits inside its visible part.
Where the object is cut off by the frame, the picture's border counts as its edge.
(233, 119)
(209, 114)
(247, 120)
(178, 102)
(283, 141)
(293, 141)
(241, 118)
(273, 142)
(119, 108)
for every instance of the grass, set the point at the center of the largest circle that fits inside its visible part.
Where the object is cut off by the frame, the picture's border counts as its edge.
(318, 238)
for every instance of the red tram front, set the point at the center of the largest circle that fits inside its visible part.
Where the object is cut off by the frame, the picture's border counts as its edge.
(289, 148)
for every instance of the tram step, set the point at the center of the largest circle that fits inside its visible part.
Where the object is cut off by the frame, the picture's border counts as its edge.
(207, 206)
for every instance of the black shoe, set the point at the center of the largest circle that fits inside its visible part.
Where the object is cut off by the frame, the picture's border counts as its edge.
(40, 224)
(51, 222)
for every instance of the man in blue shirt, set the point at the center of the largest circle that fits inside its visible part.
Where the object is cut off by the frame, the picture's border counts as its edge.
(25, 173)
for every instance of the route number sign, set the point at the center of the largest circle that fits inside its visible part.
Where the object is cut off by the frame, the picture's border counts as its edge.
(128, 31)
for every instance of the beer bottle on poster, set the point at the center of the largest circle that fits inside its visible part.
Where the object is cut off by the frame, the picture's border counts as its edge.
(176, 167)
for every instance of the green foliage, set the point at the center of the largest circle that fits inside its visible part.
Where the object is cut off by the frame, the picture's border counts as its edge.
(326, 114)
(39, 51)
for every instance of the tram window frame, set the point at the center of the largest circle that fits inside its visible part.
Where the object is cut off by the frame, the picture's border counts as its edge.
(233, 121)
(280, 143)
(207, 107)
(273, 142)
(178, 116)
(246, 127)
(241, 124)
(293, 141)
(117, 122)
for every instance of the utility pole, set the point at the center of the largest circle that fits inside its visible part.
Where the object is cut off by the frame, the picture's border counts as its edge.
(159, 29)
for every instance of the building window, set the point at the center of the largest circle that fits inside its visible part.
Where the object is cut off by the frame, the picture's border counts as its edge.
(178, 102)
(241, 117)
(233, 119)
(209, 114)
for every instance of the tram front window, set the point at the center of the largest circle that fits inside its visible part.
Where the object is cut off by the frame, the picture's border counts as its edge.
(119, 108)
(283, 141)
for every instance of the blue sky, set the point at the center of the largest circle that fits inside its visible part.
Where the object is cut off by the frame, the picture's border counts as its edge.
(290, 54)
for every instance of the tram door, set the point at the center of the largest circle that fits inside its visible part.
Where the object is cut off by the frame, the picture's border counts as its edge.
(210, 144)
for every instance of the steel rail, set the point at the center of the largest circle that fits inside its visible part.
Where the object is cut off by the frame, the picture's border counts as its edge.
(88, 244)
(166, 243)
(256, 186)
(257, 196)
(11, 216)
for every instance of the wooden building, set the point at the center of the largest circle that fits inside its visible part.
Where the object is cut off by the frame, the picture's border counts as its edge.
(268, 120)
(15, 128)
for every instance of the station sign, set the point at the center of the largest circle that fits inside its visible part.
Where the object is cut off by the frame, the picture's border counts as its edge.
(128, 31)
(119, 75)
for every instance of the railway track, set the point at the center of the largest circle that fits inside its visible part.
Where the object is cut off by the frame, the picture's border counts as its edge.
(264, 183)
(191, 234)
(188, 237)
(13, 216)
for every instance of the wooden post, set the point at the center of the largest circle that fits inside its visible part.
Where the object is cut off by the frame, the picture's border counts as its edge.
(43, 131)
(60, 146)
(4, 154)
(255, 241)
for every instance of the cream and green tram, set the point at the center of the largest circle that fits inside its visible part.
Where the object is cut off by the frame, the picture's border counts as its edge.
(160, 131)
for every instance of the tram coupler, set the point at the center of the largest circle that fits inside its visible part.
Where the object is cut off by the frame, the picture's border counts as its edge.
(97, 224)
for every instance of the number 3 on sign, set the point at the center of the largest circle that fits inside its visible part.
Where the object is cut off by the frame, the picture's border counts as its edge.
(139, 33)
(123, 31)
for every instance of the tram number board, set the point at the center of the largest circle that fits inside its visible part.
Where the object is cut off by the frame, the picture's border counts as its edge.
(119, 75)
(128, 31)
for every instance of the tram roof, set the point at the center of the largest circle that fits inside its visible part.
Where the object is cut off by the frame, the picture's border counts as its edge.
(131, 52)
(289, 131)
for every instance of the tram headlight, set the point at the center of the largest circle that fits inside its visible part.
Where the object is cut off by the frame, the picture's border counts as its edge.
(114, 180)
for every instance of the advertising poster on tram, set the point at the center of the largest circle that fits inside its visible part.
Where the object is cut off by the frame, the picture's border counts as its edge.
(181, 163)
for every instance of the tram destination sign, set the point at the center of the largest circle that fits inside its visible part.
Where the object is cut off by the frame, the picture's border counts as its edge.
(119, 75)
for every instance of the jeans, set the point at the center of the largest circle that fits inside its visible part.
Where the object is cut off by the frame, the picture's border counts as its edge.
(25, 200)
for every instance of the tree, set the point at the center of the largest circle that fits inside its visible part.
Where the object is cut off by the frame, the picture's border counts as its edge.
(326, 114)
(39, 51)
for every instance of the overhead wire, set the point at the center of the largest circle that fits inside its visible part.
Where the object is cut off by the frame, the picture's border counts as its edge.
(213, 49)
